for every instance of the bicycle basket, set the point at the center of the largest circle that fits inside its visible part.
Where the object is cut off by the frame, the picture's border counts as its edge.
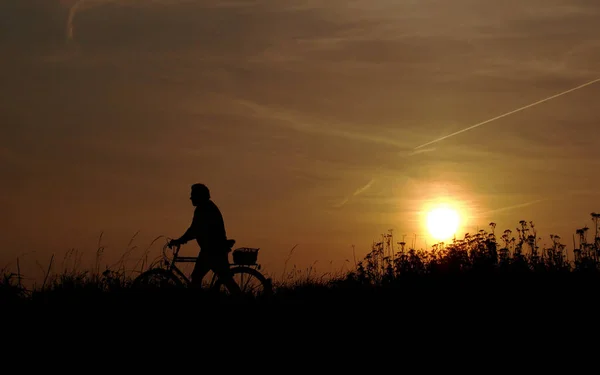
(245, 255)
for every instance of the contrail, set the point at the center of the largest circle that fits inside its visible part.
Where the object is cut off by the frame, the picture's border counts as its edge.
(361, 190)
(357, 192)
(509, 113)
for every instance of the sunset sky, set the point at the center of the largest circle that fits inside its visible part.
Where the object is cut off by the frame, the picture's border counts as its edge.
(301, 116)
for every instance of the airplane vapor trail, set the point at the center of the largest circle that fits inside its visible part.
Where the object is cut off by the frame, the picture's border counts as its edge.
(420, 149)
(508, 113)
(357, 192)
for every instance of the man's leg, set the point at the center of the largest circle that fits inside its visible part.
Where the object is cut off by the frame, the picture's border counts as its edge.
(201, 268)
(220, 265)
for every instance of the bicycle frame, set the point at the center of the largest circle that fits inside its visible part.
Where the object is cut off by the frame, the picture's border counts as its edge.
(241, 266)
(171, 266)
(170, 263)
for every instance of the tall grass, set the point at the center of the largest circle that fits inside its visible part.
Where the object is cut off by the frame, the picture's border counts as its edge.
(504, 258)
(484, 253)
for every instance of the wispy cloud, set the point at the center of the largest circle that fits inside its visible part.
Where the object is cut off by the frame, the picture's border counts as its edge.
(306, 124)
(77, 7)
(513, 207)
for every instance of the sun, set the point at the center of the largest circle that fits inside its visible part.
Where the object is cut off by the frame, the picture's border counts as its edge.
(442, 223)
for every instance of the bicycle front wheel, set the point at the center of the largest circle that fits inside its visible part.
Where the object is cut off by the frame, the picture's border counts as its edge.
(157, 278)
(250, 281)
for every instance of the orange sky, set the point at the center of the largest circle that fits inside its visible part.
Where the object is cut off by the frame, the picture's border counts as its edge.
(285, 109)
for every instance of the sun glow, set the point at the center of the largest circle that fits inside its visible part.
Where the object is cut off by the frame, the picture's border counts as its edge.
(442, 222)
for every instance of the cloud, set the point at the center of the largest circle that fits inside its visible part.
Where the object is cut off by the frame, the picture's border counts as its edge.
(223, 27)
(306, 124)
(79, 6)
(512, 207)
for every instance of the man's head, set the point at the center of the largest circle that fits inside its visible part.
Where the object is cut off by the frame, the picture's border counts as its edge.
(199, 194)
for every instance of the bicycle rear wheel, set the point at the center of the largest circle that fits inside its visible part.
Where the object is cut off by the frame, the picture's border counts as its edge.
(250, 281)
(157, 278)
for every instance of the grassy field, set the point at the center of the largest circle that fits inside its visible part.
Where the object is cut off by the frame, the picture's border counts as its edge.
(504, 270)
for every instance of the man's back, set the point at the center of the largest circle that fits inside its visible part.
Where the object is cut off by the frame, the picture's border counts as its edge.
(208, 226)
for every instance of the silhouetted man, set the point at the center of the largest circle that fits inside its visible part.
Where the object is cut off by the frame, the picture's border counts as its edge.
(208, 229)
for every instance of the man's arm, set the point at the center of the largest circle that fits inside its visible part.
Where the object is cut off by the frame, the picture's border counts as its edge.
(191, 232)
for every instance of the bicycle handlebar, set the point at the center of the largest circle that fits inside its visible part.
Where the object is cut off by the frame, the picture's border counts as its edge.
(175, 250)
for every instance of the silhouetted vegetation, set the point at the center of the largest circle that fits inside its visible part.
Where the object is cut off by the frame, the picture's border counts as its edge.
(487, 265)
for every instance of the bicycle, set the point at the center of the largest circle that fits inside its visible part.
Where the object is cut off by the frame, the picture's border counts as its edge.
(243, 267)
